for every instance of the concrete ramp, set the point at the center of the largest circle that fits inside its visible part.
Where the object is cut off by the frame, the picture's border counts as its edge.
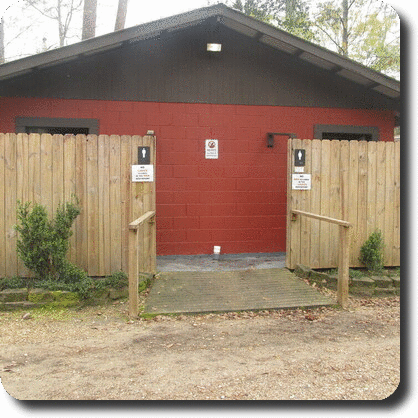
(240, 290)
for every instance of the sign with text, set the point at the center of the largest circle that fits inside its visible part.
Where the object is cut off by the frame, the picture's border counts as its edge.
(301, 182)
(211, 149)
(142, 173)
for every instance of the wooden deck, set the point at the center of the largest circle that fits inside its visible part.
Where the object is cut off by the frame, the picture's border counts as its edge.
(240, 290)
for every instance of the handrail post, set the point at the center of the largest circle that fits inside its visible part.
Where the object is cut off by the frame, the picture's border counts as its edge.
(133, 272)
(343, 266)
(134, 252)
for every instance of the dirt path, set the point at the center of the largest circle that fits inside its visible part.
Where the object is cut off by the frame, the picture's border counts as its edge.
(96, 353)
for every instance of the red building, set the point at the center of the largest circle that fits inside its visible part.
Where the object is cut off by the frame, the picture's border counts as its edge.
(161, 76)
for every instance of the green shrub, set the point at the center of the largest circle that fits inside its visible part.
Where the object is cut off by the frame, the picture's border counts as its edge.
(43, 244)
(12, 283)
(83, 286)
(117, 280)
(371, 253)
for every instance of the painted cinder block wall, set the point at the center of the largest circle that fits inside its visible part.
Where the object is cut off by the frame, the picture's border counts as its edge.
(237, 201)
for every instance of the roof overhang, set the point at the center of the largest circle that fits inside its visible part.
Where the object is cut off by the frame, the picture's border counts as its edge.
(218, 14)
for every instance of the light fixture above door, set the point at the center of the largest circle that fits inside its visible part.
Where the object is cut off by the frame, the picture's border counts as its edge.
(214, 47)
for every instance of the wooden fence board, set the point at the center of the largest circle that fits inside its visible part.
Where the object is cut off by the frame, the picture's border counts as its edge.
(104, 200)
(389, 199)
(371, 187)
(46, 172)
(126, 212)
(81, 225)
(358, 182)
(305, 204)
(344, 197)
(69, 183)
(361, 224)
(21, 181)
(324, 245)
(352, 206)
(2, 207)
(397, 207)
(10, 204)
(35, 168)
(334, 200)
(93, 205)
(50, 169)
(115, 204)
(57, 171)
(295, 202)
(380, 185)
(315, 194)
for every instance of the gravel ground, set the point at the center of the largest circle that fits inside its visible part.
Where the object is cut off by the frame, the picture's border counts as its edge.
(98, 353)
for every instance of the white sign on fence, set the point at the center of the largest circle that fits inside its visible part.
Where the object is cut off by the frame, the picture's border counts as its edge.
(301, 182)
(142, 173)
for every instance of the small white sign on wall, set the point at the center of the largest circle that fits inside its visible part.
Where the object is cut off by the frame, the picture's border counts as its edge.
(301, 182)
(142, 173)
(211, 149)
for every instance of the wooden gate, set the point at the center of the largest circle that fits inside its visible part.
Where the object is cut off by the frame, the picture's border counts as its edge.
(48, 169)
(354, 181)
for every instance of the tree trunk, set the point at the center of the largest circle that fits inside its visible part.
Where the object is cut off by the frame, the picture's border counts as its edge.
(1, 41)
(121, 15)
(345, 29)
(89, 19)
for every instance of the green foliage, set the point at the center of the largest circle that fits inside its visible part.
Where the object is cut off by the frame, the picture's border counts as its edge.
(363, 30)
(43, 244)
(33, 243)
(143, 285)
(255, 8)
(86, 287)
(117, 280)
(289, 15)
(371, 253)
(12, 283)
(378, 48)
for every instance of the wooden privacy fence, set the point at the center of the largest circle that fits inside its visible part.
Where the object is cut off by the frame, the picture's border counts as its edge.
(355, 181)
(48, 169)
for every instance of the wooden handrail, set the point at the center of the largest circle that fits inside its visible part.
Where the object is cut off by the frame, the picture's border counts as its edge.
(344, 253)
(323, 218)
(137, 222)
(134, 253)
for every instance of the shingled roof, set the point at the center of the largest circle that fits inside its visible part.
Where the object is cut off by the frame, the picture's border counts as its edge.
(217, 15)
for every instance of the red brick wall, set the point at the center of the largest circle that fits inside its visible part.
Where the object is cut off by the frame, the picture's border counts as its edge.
(237, 201)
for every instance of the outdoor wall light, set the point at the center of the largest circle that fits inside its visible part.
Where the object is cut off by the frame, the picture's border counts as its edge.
(270, 140)
(214, 47)
(271, 135)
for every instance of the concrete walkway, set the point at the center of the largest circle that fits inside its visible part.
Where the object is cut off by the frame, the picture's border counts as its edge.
(225, 262)
(233, 286)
